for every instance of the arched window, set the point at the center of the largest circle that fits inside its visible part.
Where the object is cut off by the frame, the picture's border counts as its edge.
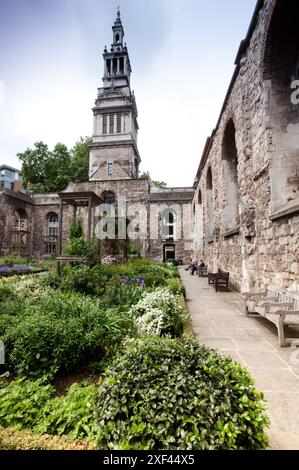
(117, 38)
(209, 179)
(52, 234)
(210, 204)
(53, 225)
(168, 224)
(280, 69)
(109, 198)
(199, 220)
(20, 220)
(230, 176)
(199, 197)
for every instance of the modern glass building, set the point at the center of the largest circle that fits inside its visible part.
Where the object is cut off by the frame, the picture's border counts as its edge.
(10, 178)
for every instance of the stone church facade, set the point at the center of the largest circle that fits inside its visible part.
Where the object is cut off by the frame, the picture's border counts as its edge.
(32, 225)
(242, 213)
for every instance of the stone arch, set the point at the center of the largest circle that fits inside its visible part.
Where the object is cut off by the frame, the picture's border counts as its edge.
(280, 70)
(230, 176)
(210, 204)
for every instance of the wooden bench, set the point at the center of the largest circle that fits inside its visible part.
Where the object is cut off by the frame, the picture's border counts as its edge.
(278, 306)
(202, 271)
(219, 279)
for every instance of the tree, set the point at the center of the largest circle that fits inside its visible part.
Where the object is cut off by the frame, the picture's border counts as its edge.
(80, 160)
(34, 166)
(146, 175)
(46, 171)
(57, 169)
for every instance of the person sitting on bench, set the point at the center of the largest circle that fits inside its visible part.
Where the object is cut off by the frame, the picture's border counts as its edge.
(202, 264)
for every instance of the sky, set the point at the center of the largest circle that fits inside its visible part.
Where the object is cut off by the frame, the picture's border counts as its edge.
(182, 54)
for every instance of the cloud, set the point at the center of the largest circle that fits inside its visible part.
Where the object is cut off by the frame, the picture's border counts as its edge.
(182, 54)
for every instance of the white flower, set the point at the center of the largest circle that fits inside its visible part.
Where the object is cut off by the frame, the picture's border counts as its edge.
(157, 311)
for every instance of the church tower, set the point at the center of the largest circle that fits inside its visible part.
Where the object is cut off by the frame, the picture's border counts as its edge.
(113, 152)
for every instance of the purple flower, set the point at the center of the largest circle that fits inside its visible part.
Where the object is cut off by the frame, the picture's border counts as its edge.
(140, 281)
(8, 269)
(131, 280)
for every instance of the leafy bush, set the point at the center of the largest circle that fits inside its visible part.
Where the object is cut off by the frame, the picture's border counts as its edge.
(119, 294)
(30, 405)
(22, 402)
(77, 244)
(72, 415)
(169, 394)
(173, 262)
(96, 280)
(175, 287)
(59, 332)
(159, 313)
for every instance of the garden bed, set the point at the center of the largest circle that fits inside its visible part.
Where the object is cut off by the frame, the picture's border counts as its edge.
(125, 325)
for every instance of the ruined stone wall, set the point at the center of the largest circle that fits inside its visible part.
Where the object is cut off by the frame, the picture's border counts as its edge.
(263, 247)
(9, 204)
(44, 205)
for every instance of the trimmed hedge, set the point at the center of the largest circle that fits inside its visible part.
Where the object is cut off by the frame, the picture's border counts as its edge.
(172, 394)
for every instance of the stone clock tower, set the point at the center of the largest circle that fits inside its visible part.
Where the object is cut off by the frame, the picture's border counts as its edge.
(113, 152)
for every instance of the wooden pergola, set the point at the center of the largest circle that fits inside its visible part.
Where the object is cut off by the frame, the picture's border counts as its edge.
(76, 199)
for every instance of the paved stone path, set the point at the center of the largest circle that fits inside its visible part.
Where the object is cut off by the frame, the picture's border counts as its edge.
(218, 320)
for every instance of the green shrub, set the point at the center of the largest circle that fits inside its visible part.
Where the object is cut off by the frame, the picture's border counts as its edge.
(59, 332)
(169, 394)
(72, 415)
(119, 294)
(76, 243)
(22, 403)
(96, 280)
(31, 405)
(175, 287)
(159, 313)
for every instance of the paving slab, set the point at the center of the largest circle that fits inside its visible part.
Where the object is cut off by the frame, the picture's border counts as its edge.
(219, 321)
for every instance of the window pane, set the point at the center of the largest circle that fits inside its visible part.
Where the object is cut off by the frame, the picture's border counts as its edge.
(104, 123)
(118, 129)
(111, 128)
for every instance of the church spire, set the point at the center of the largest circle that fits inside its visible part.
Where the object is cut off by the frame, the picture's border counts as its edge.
(118, 20)
(114, 152)
(116, 61)
(118, 30)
